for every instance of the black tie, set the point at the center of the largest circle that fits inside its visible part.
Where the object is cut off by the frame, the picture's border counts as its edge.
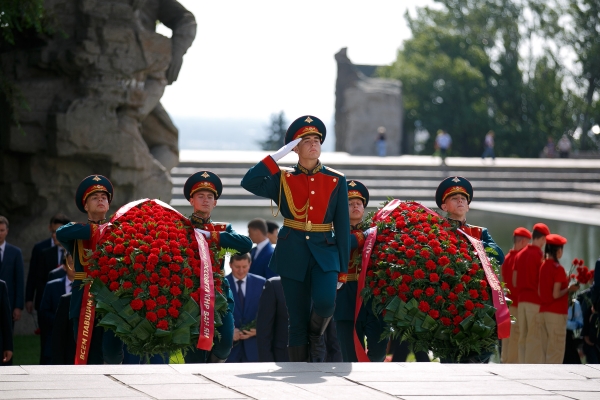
(240, 294)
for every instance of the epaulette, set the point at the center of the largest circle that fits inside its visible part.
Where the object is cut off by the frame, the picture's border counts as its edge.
(334, 171)
(220, 223)
(287, 169)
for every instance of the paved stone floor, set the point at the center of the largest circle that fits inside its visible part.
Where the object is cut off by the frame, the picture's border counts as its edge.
(365, 381)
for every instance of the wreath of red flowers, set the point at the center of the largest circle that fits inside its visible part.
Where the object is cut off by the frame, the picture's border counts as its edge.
(426, 280)
(146, 279)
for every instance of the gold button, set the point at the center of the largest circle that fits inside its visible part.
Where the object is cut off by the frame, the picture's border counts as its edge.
(335, 180)
(312, 179)
(312, 192)
(311, 207)
(307, 237)
(358, 269)
(288, 175)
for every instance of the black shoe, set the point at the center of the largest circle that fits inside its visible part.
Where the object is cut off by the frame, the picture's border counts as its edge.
(316, 328)
(298, 353)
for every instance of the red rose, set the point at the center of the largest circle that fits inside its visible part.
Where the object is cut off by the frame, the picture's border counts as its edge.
(445, 286)
(391, 290)
(484, 296)
(162, 324)
(140, 258)
(430, 265)
(166, 258)
(443, 261)
(173, 312)
(127, 285)
(150, 304)
(376, 291)
(175, 280)
(469, 305)
(417, 293)
(419, 274)
(137, 292)
(457, 320)
(434, 277)
(175, 303)
(473, 293)
(175, 291)
(153, 289)
(138, 279)
(459, 288)
(424, 254)
(136, 304)
(108, 249)
(113, 275)
(410, 253)
(153, 259)
(406, 279)
(424, 306)
(381, 283)
(446, 321)
(188, 283)
(404, 288)
(114, 286)
(396, 275)
(151, 316)
(482, 284)
(439, 299)
(465, 278)
(429, 291)
(452, 309)
(449, 271)
(145, 248)
(161, 312)
(435, 314)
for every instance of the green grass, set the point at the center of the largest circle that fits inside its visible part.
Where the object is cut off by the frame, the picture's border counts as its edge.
(26, 350)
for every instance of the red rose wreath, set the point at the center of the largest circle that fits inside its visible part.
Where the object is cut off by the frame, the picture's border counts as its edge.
(427, 280)
(155, 282)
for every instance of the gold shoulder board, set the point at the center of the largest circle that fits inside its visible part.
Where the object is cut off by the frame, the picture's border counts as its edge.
(334, 171)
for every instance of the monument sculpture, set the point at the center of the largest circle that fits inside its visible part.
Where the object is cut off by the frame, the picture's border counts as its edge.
(93, 91)
(366, 107)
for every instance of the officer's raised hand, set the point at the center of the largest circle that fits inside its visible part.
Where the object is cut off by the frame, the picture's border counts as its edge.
(282, 152)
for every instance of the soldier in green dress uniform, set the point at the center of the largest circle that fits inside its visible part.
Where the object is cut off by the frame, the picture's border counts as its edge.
(93, 197)
(202, 190)
(368, 324)
(313, 246)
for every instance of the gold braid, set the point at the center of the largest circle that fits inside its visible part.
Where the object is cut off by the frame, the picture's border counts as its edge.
(296, 212)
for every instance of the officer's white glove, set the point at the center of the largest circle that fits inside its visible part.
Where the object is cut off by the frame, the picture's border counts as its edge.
(368, 231)
(339, 285)
(205, 233)
(282, 152)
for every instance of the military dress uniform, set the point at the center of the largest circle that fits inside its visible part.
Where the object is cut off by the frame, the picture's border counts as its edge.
(225, 237)
(449, 187)
(368, 324)
(79, 240)
(309, 253)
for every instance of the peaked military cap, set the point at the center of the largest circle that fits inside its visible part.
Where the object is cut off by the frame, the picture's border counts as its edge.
(90, 185)
(356, 190)
(305, 125)
(453, 185)
(203, 180)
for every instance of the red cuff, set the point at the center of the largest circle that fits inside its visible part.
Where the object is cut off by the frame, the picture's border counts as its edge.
(342, 277)
(271, 165)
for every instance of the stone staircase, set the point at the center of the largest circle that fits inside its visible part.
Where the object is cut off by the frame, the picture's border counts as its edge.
(558, 182)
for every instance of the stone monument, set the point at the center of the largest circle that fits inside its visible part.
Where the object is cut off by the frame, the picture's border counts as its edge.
(365, 108)
(93, 92)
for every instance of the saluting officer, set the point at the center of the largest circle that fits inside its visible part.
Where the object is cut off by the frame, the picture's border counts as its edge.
(309, 255)
(202, 190)
(368, 324)
(93, 197)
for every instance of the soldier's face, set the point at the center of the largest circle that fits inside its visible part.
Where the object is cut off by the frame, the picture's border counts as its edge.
(96, 203)
(240, 268)
(203, 201)
(3, 232)
(356, 208)
(309, 147)
(456, 206)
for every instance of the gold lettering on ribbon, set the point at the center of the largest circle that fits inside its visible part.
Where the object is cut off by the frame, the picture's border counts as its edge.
(206, 279)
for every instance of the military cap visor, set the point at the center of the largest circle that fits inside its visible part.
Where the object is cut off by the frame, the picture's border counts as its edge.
(90, 185)
(453, 185)
(203, 180)
(305, 126)
(357, 190)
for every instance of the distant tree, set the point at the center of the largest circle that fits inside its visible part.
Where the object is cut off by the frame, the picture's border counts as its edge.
(275, 132)
(21, 15)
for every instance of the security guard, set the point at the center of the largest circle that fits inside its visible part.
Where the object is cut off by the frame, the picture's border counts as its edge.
(453, 195)
(202, 190)
(368, 324)
(309, 255)
(93, 197)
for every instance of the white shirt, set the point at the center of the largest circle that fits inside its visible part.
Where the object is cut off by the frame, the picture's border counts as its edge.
(68, 287)
(261, 246)
(237, 286)
(444, 140)
(61, 254)
(2, 249)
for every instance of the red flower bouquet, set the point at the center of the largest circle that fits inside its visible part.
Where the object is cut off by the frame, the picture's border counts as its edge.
(580, 273)
(425, 277)
(147, 279)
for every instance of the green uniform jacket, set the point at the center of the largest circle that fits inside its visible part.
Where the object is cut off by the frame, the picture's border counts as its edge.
(326, 192)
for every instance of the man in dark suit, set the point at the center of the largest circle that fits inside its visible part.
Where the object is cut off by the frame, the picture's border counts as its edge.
(63, 339)
(272, 231)
(53, 292)
(38, 272)
(11, 272)
(246, 289)
(6, 333)
(262, 252)
(272, 323)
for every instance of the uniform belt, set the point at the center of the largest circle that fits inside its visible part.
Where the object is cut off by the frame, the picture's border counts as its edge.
(308, 226)
(79, 276)
(352, 277)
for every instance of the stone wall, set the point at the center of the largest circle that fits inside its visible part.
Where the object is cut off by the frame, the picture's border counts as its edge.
(365, 106)
(93, 93)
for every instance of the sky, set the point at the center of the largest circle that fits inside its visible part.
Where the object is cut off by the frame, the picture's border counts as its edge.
(251, 59)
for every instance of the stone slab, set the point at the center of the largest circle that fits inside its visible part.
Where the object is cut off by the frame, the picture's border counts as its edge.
(580, 395)
(98, 369)
(587, 385)
(112, 393)
(529, 397)
(158, 379)
(462, 388)
(257, 379)
(188, 391)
